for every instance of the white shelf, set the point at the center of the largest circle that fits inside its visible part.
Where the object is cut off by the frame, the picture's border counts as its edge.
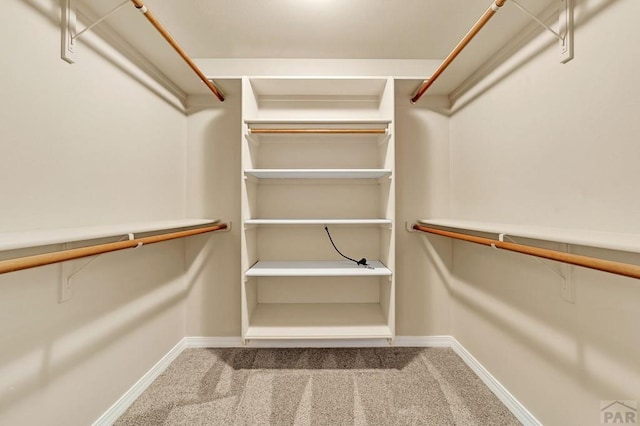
(316, 268)
(583, 237)
(292, 87)
(318, 173)
(43, 237)
(353, 222)
(317, 321)
(318, 121)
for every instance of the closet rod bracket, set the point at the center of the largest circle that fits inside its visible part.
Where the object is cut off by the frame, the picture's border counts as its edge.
(563, 270)
(565, 20)
(68, 272)
(68, 27)
(564, 34)
(67, 31)
(409, 226)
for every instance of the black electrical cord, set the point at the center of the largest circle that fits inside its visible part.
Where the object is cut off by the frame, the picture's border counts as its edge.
(362, 261)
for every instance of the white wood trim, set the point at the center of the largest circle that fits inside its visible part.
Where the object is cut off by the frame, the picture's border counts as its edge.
(125, 401)
(510, 401)
(412, 69)
(236, 342)
(212, 342)
(423, 341)
(318, 343)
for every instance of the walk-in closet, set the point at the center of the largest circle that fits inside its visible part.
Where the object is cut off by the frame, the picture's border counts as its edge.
(319, 212)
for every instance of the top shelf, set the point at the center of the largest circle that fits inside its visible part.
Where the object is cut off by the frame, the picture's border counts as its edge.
(318, 121)
(309, 129)
(43, 237)
(607, 240)
(326, 86)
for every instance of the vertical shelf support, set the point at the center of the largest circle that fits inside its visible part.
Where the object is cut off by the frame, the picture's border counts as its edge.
(67, 30)
(566, 30)
(568, 289)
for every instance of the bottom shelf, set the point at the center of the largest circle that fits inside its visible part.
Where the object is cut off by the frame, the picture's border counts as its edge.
(318, 321)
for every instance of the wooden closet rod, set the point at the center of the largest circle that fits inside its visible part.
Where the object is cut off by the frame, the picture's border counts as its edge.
(618, 268)
(167, 36)
(320, 131)
(27, 262)
(495, 6)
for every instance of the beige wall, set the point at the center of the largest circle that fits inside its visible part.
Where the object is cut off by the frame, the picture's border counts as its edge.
(213, 182)
(92, 143)
(556, 145)
(423, 182)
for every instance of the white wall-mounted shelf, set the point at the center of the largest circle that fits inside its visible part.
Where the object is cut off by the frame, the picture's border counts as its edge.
(353, 222)
(376, 123)
(291, 87)
(316, 268)
(43, 237)
(318, 173)
(583, 237)
(318, 321)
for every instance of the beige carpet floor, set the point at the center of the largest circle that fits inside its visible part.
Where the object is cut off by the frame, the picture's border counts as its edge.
(362, 386)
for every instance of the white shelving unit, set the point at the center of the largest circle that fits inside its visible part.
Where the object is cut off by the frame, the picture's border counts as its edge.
(318, 152)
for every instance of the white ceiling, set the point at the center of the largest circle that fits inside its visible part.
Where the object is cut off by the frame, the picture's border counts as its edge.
(321, 29)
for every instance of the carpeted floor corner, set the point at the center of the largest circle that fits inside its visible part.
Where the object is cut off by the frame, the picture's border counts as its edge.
(311, 386)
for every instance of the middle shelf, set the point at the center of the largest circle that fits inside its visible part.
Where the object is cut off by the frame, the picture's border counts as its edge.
(317, 173)
(316, 268)
(354, 222)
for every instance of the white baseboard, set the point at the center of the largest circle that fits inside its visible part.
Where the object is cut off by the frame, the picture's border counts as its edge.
(423, 341)
(236, 342)
(212, 342)
(318, 343)
(125, 401)
(518, 410)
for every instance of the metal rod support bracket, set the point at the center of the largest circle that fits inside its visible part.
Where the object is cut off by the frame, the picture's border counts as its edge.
(68, 272)
(67, 30)
(565, 20)
(563, 270)
(68, 25)
(565, 27)
(409, 227)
